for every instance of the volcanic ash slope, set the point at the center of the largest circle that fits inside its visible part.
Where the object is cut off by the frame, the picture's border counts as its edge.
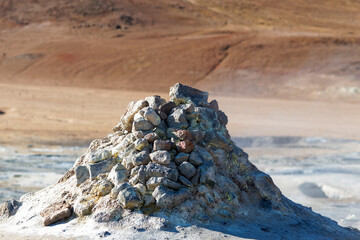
(169, 169)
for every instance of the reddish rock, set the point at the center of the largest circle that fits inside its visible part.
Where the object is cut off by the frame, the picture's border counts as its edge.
(162, 145)
(185, 146)
(183, 134)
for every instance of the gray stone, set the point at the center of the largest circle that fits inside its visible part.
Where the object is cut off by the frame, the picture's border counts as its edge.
(162, 145)
(161, 157)
(130, 198)
(177, 119)
(133, 107)
(187, 169)
(152, 116)
(141, 158)
(181, 157)
(157, 170)
(167, 107)
(155, 101)
(82, 174)
(195, 158)
(185, 181)
(197, 134)
(180, 93)
(115, 191)
(196, 178)
(214, 105)
(108, 215)
(153, 182)
(140, 144)
(141, 188)
(141, 124)
(101, 167)
(9, 208)
(151, 137)
(223, 119)
(208, 174)
(167, 198)
(149, 200)
(118, 174)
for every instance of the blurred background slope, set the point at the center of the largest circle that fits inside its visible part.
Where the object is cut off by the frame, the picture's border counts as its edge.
(286, 49)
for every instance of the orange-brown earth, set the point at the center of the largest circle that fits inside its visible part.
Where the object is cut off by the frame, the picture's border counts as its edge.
(68, 68)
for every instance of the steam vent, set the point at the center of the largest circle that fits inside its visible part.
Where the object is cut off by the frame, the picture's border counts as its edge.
(168, 163)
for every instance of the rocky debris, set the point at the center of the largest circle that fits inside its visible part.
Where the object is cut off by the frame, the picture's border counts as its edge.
(56, 212)
(9, 208)
(173, 157)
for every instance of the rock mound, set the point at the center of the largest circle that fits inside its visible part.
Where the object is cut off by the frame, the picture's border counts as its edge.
(168, 157)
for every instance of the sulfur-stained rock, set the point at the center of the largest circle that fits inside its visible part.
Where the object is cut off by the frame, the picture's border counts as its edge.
(83, 206)
(140, 144)
(187, 169)
(102, 188)
(160, 157)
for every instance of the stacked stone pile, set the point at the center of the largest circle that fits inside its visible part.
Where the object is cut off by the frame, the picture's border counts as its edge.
(172, 156)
